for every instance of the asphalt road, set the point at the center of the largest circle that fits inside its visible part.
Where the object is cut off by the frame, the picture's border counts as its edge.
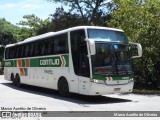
(35, 98)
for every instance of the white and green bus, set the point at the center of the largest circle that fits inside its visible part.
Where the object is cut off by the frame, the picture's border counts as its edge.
(87, 60)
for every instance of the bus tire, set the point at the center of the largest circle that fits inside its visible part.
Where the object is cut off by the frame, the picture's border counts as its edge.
(17, 81)
(13, 79)
(63, 87)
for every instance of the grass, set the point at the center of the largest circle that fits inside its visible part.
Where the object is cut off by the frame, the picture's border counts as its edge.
(147, 92)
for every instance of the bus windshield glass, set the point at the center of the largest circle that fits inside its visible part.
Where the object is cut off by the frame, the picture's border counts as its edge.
(107, 35)
(112, 59)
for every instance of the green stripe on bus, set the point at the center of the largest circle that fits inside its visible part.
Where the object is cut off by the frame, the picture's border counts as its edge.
(54, 61)
(11, 63)
(34, 62)
(23, 63)
(67, 60)
(25, 72)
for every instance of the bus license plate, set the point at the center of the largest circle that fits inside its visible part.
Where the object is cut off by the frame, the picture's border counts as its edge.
(117, 89)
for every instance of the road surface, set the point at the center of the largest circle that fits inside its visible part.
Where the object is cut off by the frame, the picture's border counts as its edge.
(35, 98)
(30, 96)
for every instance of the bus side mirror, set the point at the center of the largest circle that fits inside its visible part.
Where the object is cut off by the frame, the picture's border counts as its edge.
(138, 48)
(92, 46)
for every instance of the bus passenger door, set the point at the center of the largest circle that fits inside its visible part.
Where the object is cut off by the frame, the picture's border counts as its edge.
(84, 72)
(80, 60)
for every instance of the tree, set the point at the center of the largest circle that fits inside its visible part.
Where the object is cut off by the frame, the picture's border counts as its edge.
(32, 26)
(96, 11)
(31, 21)
(7, 34)
(140, 20)
(6, 38)
(63, 20)
(6, 26)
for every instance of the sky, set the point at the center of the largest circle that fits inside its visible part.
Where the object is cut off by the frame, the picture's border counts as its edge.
(14, 10)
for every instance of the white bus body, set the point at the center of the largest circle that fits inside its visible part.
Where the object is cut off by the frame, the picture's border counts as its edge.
(72, 55)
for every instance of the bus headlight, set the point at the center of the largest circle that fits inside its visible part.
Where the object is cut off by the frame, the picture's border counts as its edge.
(130, 80)
(99, 81)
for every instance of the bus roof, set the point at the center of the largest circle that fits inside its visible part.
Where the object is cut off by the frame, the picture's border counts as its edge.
(49, 34)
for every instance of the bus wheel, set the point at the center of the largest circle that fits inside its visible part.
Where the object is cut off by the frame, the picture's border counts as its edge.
(63, 87)
(17, 81)
(12, 79)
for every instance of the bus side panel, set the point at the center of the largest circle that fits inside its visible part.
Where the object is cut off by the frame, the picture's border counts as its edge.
(44, 77)
(73, 83)
(84, 85)
(6, 74)
(8, 71)
(28, 79)
(65, 72)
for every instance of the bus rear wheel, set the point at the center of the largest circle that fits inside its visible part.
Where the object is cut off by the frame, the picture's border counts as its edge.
(63, 87)
(17, 81)
(13, 79)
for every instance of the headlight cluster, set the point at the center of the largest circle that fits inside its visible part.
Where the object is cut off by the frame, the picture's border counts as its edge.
(99, 81)
(130, 80)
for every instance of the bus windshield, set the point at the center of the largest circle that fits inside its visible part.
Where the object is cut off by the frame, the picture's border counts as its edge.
(111, 59)
(107, 35)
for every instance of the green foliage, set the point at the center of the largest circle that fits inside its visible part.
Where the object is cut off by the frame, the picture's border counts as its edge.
(6, 26)
(63, 20)
(95, 11)
(140, 19)
(7, 36)
(32, 26)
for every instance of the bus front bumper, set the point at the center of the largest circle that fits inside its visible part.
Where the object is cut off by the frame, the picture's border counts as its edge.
(102, 89)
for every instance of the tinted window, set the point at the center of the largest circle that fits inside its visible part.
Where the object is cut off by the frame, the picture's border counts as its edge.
(61, 44)
(27, 50)
(47, 46)
(32, 47)
(6, 53)
(79, 53)
(38, 48)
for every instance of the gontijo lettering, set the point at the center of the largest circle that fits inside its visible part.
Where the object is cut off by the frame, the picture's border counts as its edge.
(50, 62)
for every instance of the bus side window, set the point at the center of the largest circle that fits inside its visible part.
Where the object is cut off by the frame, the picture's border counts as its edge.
(40, 44)
(11, 53)
(46, 50)
(6, 53)
(27, 51)
(14, 52)
(31, 53)
(55, 45)
(23, 51)
(43, 48)
(17, 52)
(37, 49)
(51, 47)
(7, 56)
(62, 44)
